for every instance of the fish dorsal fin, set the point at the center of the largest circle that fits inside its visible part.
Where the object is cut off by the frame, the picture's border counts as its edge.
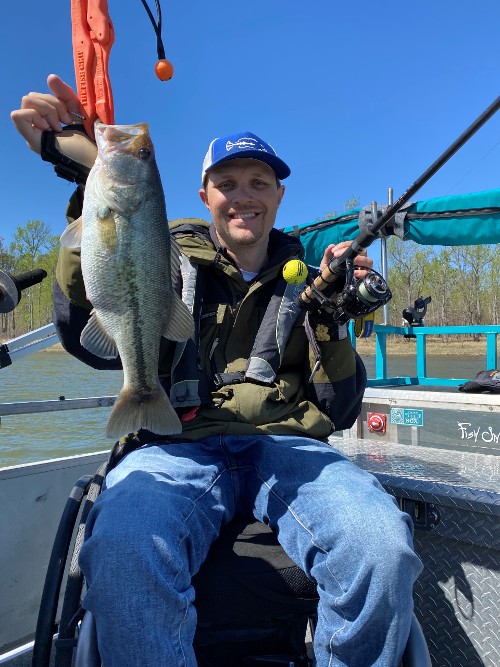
(96, 340)
(72, 235)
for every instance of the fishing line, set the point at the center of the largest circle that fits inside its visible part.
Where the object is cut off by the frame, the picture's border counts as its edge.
(473, 167)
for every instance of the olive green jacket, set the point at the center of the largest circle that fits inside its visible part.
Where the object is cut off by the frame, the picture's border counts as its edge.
(231, 313)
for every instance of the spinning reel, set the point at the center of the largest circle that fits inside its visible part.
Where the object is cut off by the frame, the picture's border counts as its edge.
(358, 297)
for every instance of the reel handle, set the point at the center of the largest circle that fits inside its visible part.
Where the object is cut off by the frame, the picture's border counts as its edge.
(29, 278)
(11, 287)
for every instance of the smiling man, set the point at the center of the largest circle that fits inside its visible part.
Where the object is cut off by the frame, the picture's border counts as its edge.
(256, 423)
(242, 191)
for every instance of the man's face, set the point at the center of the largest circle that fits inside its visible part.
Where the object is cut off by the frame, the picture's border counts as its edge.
(243, 197)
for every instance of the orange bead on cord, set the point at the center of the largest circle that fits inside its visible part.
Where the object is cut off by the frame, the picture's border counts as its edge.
(164, 70)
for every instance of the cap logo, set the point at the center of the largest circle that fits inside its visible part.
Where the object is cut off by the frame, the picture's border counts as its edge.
(245, 143)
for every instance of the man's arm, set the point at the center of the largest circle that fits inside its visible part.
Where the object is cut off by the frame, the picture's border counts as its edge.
(42, 112)
(338, 385)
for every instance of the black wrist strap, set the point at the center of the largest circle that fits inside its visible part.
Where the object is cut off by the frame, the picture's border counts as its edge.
(64, 166)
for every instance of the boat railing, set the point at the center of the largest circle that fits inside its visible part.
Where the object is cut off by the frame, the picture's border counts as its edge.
(55, 405)
(34, 341)
(420, 334)
(444, 419)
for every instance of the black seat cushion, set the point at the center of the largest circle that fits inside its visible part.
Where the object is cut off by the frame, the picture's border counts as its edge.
(247, 577)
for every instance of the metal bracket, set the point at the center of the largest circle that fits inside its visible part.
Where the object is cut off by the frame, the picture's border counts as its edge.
(5, 359)
(425, 516)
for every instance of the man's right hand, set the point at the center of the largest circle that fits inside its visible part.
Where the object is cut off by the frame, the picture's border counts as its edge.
(44, 111)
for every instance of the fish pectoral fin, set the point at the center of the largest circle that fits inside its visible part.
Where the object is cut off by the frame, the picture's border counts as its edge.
(72, 235)
(180, 323)
(96, 339)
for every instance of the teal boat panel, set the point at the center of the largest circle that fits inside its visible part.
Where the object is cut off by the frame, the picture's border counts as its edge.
(477, 219)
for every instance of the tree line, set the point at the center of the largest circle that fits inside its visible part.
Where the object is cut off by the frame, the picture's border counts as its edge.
(33, 247)
(463, 281)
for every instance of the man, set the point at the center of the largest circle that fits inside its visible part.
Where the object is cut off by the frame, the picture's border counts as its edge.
(254, 445)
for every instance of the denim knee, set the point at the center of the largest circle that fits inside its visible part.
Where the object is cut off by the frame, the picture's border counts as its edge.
(387, 557)
(130, 530)
(373, 548)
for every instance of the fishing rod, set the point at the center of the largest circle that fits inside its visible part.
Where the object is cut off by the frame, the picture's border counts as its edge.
(359, 298)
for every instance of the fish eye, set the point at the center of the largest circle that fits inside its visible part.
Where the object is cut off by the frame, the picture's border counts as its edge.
(144, 153)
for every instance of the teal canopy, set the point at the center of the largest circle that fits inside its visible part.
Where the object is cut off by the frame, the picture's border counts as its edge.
(470, 219)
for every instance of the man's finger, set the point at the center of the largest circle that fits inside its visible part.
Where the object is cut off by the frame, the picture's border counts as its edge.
(65, 94)
(30, 125)
(47, 107)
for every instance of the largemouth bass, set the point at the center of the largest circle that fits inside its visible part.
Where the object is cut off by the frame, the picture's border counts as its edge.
(129, 262)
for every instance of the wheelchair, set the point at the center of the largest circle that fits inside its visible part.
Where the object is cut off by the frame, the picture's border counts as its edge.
(255, 607)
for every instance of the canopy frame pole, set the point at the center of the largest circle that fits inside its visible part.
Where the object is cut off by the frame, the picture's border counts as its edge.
(383, 259)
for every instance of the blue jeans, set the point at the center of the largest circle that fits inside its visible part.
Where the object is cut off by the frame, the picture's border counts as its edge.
(164, 505)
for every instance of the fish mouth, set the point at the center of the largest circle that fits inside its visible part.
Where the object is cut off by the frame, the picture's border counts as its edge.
(118, 137)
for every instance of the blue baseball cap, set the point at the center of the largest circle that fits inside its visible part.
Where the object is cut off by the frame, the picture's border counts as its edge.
(243, 145)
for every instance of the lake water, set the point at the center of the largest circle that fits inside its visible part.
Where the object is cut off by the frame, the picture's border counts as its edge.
(46, 376)
(50, 374)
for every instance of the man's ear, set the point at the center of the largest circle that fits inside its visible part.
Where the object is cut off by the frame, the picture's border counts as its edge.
(281, 193)
(203, 197)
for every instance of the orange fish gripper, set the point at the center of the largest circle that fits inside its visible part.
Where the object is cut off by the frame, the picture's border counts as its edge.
(93, 37)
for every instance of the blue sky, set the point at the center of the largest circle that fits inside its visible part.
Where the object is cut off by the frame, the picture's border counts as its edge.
(356, 96)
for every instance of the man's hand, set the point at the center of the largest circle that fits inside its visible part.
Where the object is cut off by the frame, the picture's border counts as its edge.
(44, 111)
(336, 250)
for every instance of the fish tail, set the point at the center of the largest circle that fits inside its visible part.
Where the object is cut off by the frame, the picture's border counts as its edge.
(154, 413)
